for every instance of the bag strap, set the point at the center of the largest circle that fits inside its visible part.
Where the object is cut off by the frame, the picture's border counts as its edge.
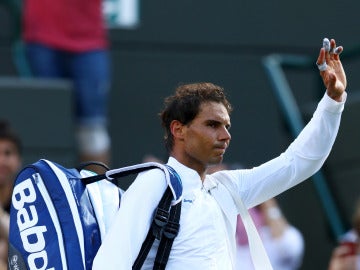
(159, 221)
(171, 230)
(121, 172)
(164, 227)
(172, 178)
(258, 254)
(165, 224)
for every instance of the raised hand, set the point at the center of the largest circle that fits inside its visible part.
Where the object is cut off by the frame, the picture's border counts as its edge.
(331, 69)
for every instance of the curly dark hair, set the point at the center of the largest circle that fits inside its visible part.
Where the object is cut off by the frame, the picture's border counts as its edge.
(184, 105)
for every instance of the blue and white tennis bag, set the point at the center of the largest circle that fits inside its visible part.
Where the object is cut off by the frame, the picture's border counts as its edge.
(59, 216)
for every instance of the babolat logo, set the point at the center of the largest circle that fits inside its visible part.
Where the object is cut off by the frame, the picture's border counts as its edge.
(31, 234)
(14, 263)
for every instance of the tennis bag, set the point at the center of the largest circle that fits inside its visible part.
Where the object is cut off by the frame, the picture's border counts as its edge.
(59, 216)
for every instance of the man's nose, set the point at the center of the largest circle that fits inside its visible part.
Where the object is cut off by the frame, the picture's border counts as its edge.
(225, 134)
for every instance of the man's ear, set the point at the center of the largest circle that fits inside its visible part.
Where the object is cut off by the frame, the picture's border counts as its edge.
(177, 129)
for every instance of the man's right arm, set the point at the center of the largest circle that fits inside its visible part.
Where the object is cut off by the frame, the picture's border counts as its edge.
(123, 241)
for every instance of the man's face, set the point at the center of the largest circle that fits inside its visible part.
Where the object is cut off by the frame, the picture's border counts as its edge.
(207, 136)
(10, 161)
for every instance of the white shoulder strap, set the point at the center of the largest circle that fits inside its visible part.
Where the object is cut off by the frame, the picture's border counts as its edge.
(258, 254)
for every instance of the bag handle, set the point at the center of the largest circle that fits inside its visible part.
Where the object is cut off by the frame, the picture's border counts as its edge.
(83, 165)
(121, 172)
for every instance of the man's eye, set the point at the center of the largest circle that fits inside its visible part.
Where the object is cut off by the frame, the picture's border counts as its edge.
(8, 153)
(212, 124)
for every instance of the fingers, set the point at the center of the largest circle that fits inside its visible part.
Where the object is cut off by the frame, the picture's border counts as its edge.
(329, 49)
(328, 52)
(326, 44)
(337, 52)
(331, 70)
(321, 63)
(334, 51)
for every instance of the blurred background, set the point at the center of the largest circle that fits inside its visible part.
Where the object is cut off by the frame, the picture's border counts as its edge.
(263, 54)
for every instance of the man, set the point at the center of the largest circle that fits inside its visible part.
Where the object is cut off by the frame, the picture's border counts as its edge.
(10, 163)
(196, 121)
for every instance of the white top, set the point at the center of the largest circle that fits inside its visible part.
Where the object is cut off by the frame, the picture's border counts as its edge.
(207, 237)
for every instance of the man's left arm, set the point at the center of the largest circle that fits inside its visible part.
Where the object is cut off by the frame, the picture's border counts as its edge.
(308, 152)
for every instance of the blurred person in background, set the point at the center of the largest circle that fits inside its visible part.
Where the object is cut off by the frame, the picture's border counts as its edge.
(341, 259)
(4, 237)
(283, 242)
(346, 256)
(10, 164)
(68, 39)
